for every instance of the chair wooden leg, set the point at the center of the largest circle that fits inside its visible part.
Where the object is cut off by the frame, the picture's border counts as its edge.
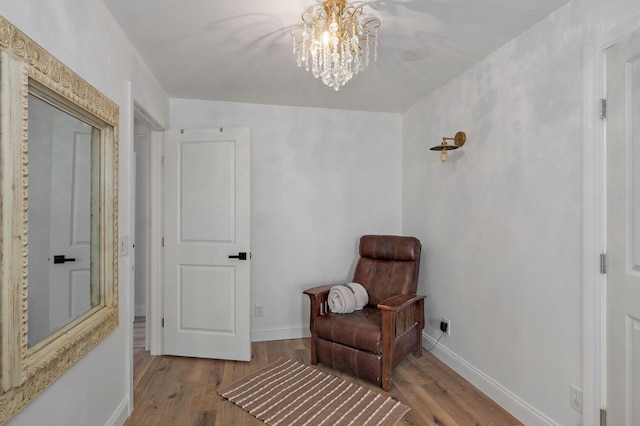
(386, 381)
(418, 353)
(388, 348)
(317, 300)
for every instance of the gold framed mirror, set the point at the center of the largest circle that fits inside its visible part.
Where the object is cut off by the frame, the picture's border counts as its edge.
(58, 219)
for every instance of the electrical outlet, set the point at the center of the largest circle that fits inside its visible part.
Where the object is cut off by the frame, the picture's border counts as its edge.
(575, 398)
(257, 311)
(445, 326)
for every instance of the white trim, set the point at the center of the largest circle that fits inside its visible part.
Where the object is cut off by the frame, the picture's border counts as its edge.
(516, 406)
(156, 278)
(141, 112)
(136, 109)
(280, 333)
(594, 218)
(121, 414)
(126, 260)
(142, 115)
(593, 247)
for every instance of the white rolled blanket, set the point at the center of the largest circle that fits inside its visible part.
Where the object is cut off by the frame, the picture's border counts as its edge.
(346, 298)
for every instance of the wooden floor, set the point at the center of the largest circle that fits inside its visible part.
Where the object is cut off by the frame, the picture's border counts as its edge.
(182, 391)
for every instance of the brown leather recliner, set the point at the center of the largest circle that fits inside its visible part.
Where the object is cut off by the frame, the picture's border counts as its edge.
(371, 342)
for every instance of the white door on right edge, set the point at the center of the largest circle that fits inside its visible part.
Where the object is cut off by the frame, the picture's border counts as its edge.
(623, 231)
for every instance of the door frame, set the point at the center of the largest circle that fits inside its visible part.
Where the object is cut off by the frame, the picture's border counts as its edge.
(136, 110)
(594, 222)
(155, 230)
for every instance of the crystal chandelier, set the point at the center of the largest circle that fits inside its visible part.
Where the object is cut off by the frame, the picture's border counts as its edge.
(335, 40)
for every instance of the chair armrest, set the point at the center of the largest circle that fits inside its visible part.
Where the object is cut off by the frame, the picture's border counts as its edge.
(317, 291)
(400, 302)
(400, 314)
(318, 296)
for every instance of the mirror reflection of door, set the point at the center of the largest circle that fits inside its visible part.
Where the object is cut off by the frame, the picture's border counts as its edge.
(60, 188)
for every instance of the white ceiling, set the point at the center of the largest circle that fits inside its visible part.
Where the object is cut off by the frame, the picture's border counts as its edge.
(241, 51)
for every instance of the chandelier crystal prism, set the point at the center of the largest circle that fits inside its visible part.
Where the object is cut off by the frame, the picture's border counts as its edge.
(335, 41)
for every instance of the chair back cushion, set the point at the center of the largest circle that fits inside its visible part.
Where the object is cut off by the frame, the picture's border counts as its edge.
(388, 266)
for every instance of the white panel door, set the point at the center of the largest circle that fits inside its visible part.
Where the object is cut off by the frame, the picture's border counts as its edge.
(207, 228)
(70, 290)
(623, 231)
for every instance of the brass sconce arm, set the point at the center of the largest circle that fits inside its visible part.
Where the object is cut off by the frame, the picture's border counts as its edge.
(458, 140)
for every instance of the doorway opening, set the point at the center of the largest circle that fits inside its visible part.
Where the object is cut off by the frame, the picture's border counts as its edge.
(146, 235)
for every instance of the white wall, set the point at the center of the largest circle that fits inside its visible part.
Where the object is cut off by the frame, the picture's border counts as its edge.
(501, 223)
(320, 179)
(84, 36)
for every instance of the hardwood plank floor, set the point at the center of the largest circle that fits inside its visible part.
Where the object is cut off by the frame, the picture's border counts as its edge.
(182, 391)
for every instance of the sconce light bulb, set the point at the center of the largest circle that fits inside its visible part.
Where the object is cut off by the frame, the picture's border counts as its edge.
(444, 156)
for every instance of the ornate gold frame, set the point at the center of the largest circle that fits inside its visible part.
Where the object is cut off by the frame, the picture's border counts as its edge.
(25, 372)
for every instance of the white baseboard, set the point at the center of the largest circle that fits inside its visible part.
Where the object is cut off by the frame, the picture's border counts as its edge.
(517, 407)
(280, 333)
(141, 310)
(120, 415)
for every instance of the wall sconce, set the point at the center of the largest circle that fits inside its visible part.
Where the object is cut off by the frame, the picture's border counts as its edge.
(458, 140)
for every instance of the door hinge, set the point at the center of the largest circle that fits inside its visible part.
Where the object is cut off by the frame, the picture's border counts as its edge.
(162, 322)
(603, 109)
(603, 263)
(162, 241)
(162, 161)
(603, 417)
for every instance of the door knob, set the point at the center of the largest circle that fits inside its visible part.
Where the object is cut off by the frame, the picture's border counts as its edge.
(59, 258)
(242, 256)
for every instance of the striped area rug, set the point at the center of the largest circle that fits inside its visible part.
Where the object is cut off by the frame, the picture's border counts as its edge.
(289, 393)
